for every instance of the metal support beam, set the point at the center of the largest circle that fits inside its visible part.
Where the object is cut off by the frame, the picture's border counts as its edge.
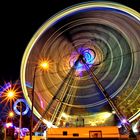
(55, 96)
(31, 119)
(106, 95)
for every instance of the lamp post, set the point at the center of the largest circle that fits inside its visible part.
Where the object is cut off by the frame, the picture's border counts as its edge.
(43, 65)
(20, 120)
(31, 119)
(10, 115)
(9, 96)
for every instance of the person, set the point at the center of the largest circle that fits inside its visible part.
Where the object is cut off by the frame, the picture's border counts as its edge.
(61, 123)
(67, 124)
(80, 121)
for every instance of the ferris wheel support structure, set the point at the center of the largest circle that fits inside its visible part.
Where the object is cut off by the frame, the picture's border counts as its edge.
(35, 128)
(98, 84)
(106, 95)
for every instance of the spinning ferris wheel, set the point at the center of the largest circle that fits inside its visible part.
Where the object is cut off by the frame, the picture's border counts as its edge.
(93, 51)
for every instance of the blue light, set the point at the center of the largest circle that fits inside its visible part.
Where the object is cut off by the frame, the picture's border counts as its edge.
(15, 107)
(28, 84)
(5, 87)
(88, 57)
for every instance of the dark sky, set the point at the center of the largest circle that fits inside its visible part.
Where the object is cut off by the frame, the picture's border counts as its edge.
(19, 21)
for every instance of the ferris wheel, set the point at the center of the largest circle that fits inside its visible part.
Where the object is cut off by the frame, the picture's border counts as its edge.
(93, 50)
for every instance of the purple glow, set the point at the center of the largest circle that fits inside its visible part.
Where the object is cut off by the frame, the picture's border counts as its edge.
(5, 87)
(22, 131)
(124, 121)
(41, 101)
(88, 57)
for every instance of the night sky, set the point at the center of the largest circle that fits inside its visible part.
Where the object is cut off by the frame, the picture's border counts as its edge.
(19, 21)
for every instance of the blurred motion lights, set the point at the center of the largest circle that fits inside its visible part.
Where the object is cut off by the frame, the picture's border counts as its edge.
(106, 35)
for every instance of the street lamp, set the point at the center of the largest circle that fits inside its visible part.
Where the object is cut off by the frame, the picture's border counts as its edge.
(10, 115)
(43, 65)
(10, 95)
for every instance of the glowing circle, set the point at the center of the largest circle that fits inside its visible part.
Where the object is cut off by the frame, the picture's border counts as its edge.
(110, 46)
(15, 107)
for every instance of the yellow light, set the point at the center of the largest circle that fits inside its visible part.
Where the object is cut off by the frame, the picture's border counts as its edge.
(64, 115)
(10, 94)
(43, 64)
(53, 20)
(11, 114)
(106, 115)
(113, 112)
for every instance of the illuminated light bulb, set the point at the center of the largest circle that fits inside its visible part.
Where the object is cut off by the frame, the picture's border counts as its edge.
(9, 124)
(11, 114)
(113, 112)
(106, 115)
(124, 121)
(10, 94)
(49, 124)
(43, 64)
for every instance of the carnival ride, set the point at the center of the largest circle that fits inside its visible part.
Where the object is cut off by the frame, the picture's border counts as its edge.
(93, 50)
